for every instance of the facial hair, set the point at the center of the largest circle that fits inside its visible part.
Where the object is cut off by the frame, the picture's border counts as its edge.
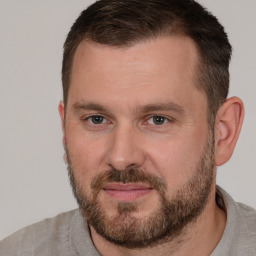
(168, 219)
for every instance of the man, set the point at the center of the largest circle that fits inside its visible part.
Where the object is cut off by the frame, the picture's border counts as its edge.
(146, 121)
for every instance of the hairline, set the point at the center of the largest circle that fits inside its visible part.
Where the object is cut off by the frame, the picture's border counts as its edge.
(198, 69)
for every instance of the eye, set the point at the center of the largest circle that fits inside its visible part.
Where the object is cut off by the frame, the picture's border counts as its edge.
(96, 119)
(158, 120)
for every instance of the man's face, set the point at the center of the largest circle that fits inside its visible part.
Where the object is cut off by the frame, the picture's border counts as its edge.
(137, 139)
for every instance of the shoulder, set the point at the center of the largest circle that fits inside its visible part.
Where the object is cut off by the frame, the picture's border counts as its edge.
(239, 237)
(242, 215)
(245, 232)
(51, 232)
(247, 215)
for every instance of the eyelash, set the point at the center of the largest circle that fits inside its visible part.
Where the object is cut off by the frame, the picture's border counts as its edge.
(163, 118)
(94, 116)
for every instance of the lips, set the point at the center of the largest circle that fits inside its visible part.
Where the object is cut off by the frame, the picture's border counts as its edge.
(126, 192)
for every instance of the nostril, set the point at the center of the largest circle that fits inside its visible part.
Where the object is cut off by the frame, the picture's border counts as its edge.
(124, 169)
(123, 164)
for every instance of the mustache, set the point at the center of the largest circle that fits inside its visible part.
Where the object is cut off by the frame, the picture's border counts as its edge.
(132, 175)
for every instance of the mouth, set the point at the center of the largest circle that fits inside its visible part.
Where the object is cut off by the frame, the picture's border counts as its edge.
(126, 192)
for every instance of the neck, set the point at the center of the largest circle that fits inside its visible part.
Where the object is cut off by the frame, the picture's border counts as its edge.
(198, 238)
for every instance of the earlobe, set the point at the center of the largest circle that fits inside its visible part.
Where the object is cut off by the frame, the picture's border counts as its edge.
(228, 124)
(61, 109)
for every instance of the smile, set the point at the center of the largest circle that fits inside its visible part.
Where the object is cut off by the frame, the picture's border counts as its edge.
(126, 192)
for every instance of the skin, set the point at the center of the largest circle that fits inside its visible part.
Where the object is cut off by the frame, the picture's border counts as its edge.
(131, 85)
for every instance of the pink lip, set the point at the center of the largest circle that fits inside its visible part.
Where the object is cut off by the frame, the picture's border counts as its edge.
(126, 192)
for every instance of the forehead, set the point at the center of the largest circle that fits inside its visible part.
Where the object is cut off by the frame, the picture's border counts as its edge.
(157, 68)
(152, 54)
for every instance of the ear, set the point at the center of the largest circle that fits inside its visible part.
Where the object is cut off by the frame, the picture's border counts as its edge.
(228, 124)
(61, 109)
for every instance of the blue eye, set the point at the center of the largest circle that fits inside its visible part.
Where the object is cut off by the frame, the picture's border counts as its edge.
(96, 119)
(157, 120)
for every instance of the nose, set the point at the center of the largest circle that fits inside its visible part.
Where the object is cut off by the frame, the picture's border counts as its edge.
(126, 150)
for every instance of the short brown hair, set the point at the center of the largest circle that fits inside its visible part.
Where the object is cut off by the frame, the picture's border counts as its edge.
(126, 22)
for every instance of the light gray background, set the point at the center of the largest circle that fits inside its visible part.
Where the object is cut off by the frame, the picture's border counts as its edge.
(33, 179)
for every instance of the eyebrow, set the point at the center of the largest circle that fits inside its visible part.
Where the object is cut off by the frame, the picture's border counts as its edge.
(169, 106)
(89, 106)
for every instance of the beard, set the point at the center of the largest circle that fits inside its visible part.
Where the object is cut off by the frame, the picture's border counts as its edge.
(167, 221)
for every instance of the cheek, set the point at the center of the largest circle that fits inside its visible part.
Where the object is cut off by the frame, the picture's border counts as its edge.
(176, 160)
(86, 155)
